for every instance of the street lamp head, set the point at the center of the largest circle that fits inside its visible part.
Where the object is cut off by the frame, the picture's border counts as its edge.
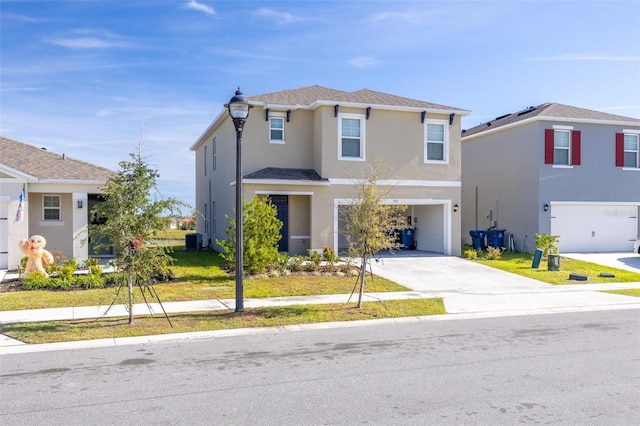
(238, 106)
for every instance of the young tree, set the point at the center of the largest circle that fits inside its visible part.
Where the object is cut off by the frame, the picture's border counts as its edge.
(370, 222)
(130, 215)
(261, 233)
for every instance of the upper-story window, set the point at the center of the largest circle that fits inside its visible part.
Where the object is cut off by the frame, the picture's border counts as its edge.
(215, 154)
(628, 149)
(276, 128)
(51, 207)
(205, 160)
(351, 138)
(562, 146)
(436, 143)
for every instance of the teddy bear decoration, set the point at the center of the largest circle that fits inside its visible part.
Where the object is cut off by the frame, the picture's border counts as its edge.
(37, 256)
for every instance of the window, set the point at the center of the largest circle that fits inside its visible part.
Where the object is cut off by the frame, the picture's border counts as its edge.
(215, 149)
(51, 207)
(436, 141)
(628, 149)
(276, 129)
(205, 160)
(351, 137)
(562, 146)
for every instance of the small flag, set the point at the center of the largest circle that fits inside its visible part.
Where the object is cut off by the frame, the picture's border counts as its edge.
(20, 212)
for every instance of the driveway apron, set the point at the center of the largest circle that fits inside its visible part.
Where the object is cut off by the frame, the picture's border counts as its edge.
(470, 287)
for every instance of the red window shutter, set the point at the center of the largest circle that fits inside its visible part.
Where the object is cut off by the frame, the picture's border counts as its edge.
(548, 146)
(575, 148)
(619, 149)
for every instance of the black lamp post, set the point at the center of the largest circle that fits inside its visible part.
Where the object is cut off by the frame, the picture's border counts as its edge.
(238, 108)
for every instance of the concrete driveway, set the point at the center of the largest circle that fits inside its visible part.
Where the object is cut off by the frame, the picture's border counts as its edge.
(627, 261)
(469, 287)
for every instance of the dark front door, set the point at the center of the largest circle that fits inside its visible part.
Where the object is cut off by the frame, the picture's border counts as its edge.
(282, 205)
(96, 243)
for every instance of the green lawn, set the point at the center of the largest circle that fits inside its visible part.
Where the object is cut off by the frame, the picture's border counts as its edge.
(520, 263)
(199, 276)
(61, 331)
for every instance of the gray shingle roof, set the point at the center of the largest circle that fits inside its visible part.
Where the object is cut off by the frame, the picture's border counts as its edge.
(310, 94)
(283, 173)
(46, 165)
(548, 110)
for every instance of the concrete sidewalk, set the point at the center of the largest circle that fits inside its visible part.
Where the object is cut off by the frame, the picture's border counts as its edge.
(467, 288)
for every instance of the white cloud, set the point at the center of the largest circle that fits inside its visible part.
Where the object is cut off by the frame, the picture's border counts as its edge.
(581, 57)
(280, 17)
(363, 61)
(89, 39)
(410, 16)
(200, 7)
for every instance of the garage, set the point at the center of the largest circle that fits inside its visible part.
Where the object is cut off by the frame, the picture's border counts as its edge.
(428, 218)
(594, 227)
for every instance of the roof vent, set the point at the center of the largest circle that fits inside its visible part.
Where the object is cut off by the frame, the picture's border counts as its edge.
(502, 116)
(43, 148)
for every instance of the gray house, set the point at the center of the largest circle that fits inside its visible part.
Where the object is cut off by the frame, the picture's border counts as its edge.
(304, 149)
(554, 169)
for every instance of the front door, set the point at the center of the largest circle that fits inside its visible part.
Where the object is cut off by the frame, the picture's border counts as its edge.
(282, 205)
(95, 247)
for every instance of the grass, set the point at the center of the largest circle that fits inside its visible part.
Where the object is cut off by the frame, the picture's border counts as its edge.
(520, 263)
(61, 331)
(628, 292)
(198, 276)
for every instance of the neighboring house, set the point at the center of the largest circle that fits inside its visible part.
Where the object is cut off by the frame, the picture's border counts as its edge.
(304, 148)
(59, 192)
(554, 169)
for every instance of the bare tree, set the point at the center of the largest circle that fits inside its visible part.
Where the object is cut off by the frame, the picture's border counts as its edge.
(371, 221)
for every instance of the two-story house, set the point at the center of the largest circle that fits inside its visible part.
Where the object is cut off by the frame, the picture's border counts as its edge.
(304, 147)
(53, 194)
(554, 169)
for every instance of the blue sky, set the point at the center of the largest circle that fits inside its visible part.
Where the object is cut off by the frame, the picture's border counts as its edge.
(92, 78)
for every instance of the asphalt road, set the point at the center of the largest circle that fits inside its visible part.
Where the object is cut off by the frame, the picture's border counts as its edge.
(578, 368)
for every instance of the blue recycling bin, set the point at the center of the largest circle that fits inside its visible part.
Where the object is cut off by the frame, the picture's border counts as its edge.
(477, 237)
(495, 238)
(406, 238)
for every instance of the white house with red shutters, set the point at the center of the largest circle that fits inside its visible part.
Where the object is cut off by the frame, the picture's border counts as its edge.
(554, 169)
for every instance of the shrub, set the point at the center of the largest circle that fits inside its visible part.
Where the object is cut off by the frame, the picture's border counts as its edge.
(494, 253)
(35, 281)
(295, 263)
(261, 233)
(547, 243)
(470, 254)
(89, 281)
(329, 255)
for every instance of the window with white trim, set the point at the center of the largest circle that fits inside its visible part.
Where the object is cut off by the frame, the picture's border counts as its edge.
(631, 150)
(562, 147)
(276, 129)
(351, 137)
(436, 141)
(51, 207)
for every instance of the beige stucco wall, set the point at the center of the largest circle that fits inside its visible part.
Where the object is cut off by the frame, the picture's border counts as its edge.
(311, 141)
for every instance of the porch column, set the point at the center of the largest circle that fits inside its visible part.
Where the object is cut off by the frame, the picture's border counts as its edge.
(80, 225)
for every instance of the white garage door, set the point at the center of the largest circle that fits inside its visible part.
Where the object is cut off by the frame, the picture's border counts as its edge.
(585, 228)
(4, 234)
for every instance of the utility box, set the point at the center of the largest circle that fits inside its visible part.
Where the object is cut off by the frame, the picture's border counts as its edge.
(193, 241)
